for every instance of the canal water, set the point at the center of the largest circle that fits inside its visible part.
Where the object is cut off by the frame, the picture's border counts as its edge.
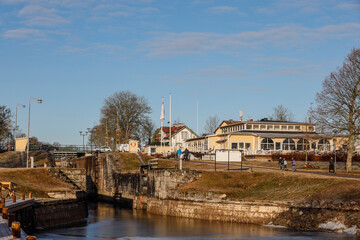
(107, 221)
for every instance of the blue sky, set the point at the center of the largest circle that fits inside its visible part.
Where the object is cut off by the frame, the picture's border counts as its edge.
(227, 55)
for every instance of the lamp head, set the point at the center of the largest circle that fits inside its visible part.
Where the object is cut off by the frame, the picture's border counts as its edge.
(39, 100)
(23, 105)
(80, 132)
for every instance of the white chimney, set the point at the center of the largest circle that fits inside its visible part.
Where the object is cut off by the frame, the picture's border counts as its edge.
(241, 115)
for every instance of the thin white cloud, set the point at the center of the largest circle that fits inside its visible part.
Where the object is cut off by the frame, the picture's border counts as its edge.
(220, 71)
(40, 16)
(36, 10)
(349, 6)
(277, 59)
(119, 14)
(23, 33)
(92, 49)
(266, 11)
(294, 71)
(150, 10)
(223, 9)
(292, 35)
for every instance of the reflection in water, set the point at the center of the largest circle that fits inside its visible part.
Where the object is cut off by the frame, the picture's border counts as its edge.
(109, 222)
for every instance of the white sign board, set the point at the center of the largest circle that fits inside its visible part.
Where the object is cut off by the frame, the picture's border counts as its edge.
(228, 155)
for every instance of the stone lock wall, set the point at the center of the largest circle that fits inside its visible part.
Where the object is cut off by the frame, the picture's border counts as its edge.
(164, 183)
(49, 213)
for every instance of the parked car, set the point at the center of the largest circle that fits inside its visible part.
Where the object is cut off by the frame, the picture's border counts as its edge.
(102, 149)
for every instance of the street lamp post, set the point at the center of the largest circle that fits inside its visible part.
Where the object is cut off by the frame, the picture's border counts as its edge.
(83, 135)
(39, 100)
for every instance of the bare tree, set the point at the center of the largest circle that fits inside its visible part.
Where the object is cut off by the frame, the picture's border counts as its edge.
(337, 107)
(97, 135)
(126, 109)
(282, 113)
(148, 130)
(5, 123)
(212, 122)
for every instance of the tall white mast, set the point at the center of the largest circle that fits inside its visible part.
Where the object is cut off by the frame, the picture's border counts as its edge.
(162, 118)
(170, 140)
(197, 117)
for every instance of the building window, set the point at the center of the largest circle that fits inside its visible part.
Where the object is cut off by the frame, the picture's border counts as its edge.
(303, 145)
(278, 145)
(234, 145)
(248, 146)
(276, 127)
(184, 135)
(288, 144)
(256, 126)
(267, 144)
(290, 127)
(270, 127)
(248, 126)
(241, 145)
(324, 145)
(313, 146)
(297, 128)
(262, 127)
(283, 127)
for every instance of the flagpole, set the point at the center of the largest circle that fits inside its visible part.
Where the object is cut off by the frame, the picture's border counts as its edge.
(162, 118)
(170, 140)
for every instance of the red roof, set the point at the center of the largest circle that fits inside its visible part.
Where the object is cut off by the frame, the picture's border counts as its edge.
(174, 129)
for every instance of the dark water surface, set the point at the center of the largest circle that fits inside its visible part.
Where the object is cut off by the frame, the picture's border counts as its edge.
(109, 222)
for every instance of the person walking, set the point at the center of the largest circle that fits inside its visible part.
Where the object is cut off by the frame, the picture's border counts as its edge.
(280, 163)
(285, 165)
(331, 165)
(293, 163)
(179, 152)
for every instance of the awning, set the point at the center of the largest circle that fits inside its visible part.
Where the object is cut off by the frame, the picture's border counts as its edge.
(221, 141)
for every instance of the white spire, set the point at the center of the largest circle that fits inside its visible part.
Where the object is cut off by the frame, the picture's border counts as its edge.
(162, 116)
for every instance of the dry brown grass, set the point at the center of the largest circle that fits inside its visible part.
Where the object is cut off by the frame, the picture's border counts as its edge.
(10, 159)
(274, 186)
(36, 181)
(127, 161)
(13, 160)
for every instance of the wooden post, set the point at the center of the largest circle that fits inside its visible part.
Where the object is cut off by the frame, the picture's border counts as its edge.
(11, 219)
(22, 196)
(4, 213)
(30, 195)
(13, 199)
(30, 238)
(16, 229)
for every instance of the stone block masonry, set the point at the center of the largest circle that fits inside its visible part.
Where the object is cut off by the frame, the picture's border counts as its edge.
(49, 213)
(241, 212)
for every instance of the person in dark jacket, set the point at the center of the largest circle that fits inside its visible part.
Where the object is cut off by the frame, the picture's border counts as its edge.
(186, 154)
(331, 165)
(281, 163)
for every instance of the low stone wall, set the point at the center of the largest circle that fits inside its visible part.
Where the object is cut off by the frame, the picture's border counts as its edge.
(340, 216)
(241, 212)
(50, 213)
(164, 183)
(71, 175)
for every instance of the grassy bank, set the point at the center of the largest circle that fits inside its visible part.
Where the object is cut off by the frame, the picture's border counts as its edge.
(13, 159)
(129, 161)
(37, 181)
(274, 186)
